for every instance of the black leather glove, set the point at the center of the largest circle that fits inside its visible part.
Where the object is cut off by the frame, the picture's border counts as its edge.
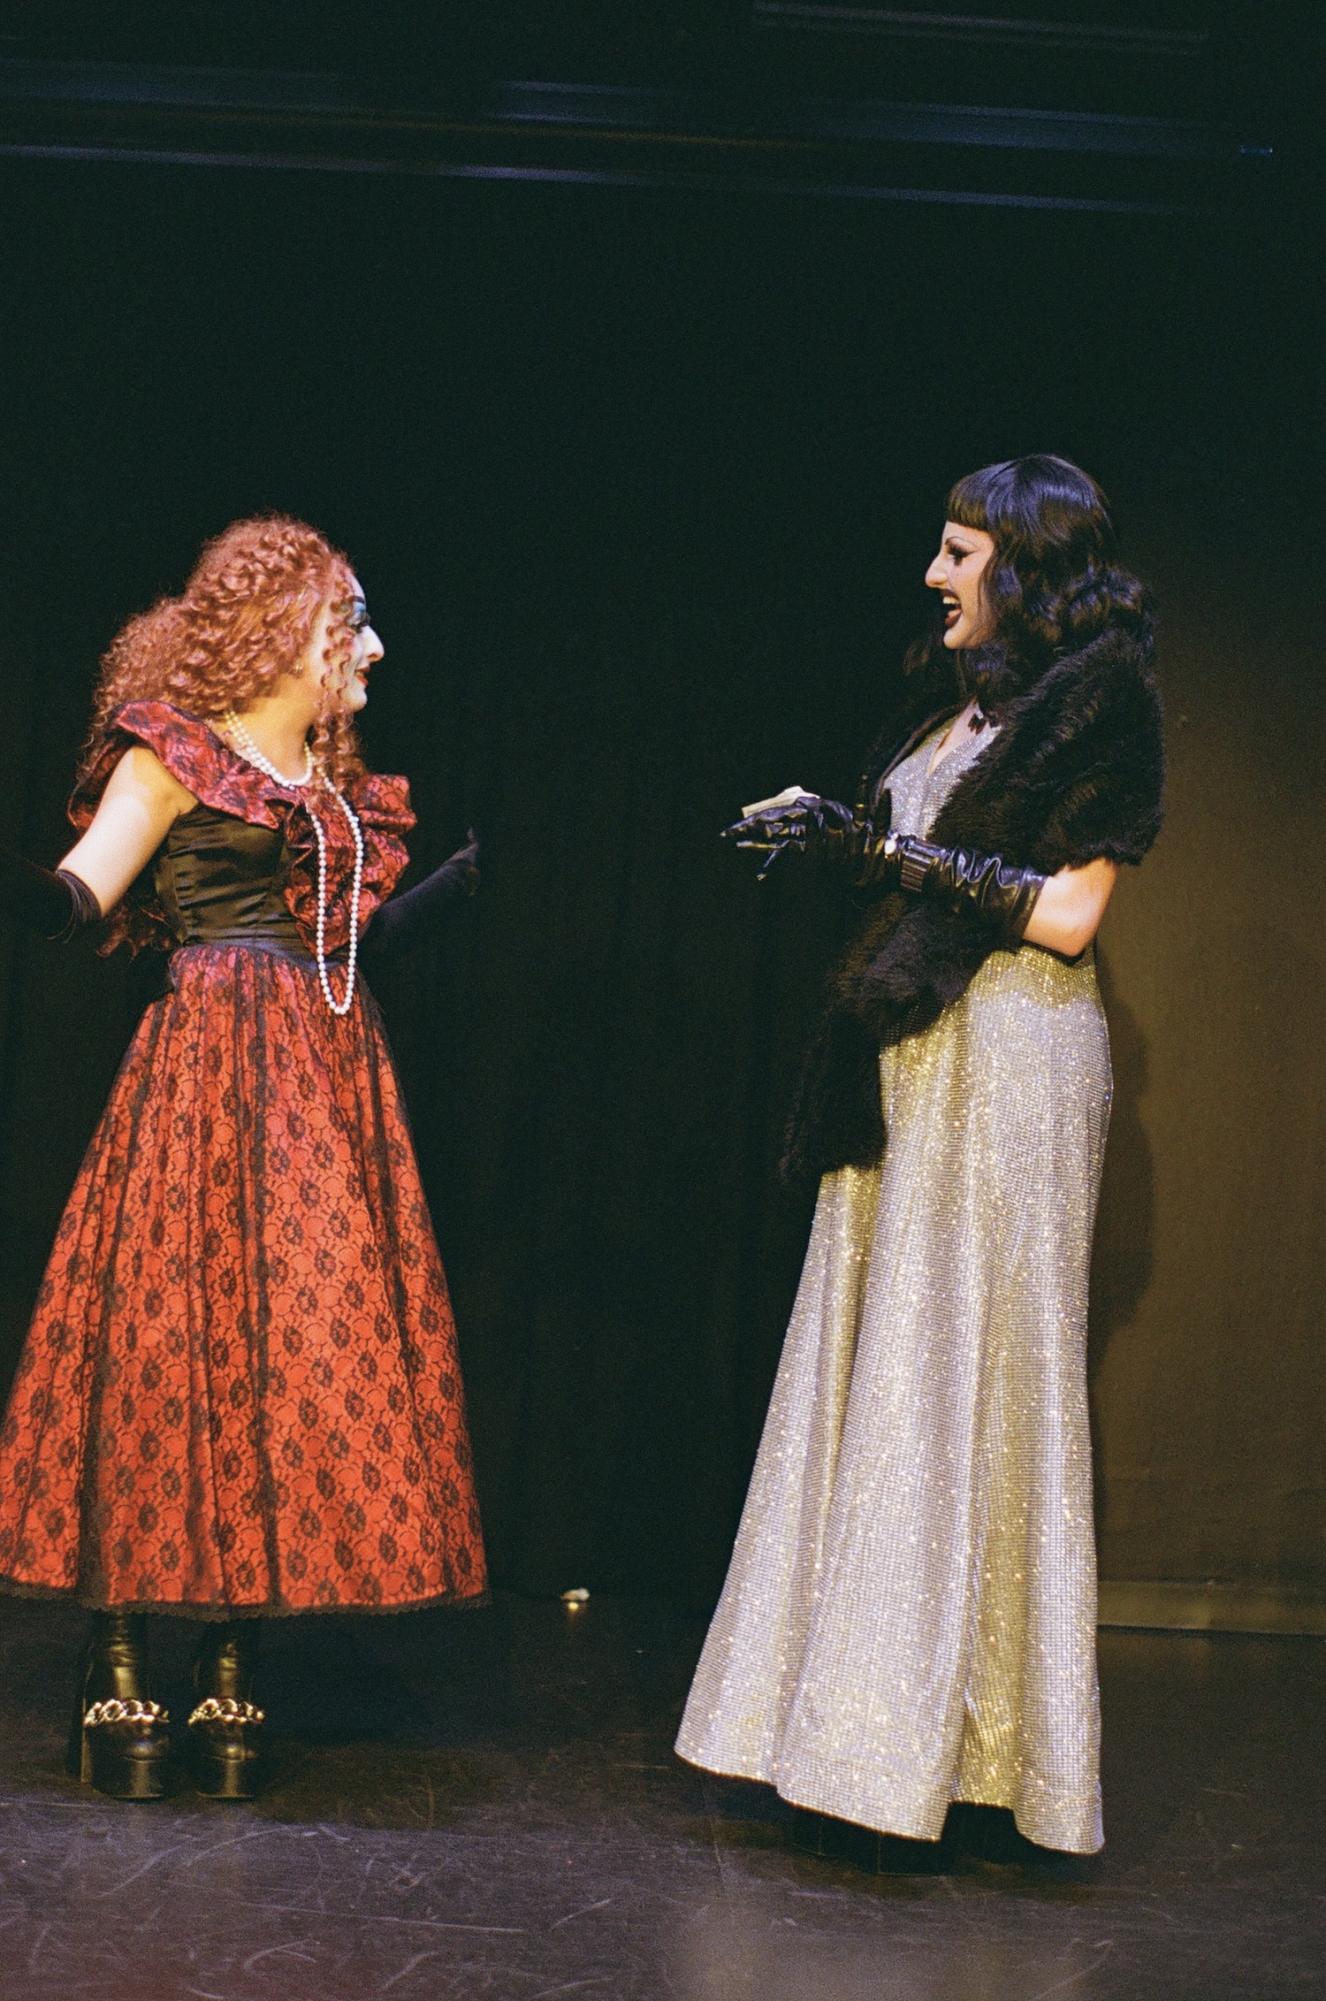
(824, 829)
(964, 880)
(53, 901)
(406, 920)
(881, 860)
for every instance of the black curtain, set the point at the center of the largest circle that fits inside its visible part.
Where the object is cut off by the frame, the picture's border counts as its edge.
(642, 485)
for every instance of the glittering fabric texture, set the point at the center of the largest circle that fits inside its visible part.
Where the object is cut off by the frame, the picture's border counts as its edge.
(909, 1616)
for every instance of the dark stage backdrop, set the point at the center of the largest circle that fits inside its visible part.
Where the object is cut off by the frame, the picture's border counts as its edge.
(642, 485)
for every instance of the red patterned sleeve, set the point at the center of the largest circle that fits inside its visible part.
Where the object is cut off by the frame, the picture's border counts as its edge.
(190, 751)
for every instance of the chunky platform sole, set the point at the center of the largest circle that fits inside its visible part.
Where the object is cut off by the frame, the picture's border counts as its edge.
(119, 1738)
(224, 1772)
(123, 1766)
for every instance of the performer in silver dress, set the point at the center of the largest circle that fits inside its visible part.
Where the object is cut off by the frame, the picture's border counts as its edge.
(909, 1616)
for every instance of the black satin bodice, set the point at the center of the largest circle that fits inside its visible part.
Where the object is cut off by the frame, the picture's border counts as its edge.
(220, 880)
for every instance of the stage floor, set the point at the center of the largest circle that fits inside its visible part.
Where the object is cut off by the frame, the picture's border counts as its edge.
(485, 1806)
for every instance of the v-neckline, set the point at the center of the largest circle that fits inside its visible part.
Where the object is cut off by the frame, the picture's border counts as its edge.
(939, 756)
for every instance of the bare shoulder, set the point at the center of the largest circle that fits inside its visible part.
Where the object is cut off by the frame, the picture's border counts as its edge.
(141, 774)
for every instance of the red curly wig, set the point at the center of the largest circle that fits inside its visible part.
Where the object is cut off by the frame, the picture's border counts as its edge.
(244, 618)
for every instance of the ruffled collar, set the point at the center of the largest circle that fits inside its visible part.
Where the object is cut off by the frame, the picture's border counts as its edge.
(220, 778)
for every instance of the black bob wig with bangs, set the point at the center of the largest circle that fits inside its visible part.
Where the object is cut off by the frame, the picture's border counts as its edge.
(1053, 584)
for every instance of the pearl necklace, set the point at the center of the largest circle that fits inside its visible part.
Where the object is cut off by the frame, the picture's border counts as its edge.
(249, 750)
(341, 1006)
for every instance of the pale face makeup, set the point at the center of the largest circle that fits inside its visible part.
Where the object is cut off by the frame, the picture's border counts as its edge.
(348, 687)
(957, 569)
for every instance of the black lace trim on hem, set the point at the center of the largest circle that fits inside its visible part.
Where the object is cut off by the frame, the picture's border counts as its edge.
(460, 1602)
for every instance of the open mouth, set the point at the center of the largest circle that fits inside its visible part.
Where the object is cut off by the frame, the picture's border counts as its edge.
(952, 611)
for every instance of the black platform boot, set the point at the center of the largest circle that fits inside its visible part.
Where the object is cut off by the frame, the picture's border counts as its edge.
(120, 1741)
(225, 1729)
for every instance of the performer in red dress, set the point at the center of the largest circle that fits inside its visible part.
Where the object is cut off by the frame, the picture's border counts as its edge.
(239, 1394)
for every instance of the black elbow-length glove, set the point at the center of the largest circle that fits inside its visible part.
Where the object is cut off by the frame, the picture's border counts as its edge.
(880, 860)
(54, 902)
(404, 921)
(961, 879)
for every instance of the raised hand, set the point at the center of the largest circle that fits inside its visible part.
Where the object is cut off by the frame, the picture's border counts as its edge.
(468, 858)
(412, 915)
(801, 821)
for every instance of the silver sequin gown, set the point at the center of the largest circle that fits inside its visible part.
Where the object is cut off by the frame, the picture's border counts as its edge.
(909, 1615)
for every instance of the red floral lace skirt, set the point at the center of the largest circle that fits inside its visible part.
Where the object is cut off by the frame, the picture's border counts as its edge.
(240, 1390)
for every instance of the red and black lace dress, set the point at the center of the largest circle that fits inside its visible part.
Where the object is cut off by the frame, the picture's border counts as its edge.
(240, 1391)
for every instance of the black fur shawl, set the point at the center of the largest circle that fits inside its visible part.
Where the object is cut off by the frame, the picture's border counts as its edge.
(1075, 772)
